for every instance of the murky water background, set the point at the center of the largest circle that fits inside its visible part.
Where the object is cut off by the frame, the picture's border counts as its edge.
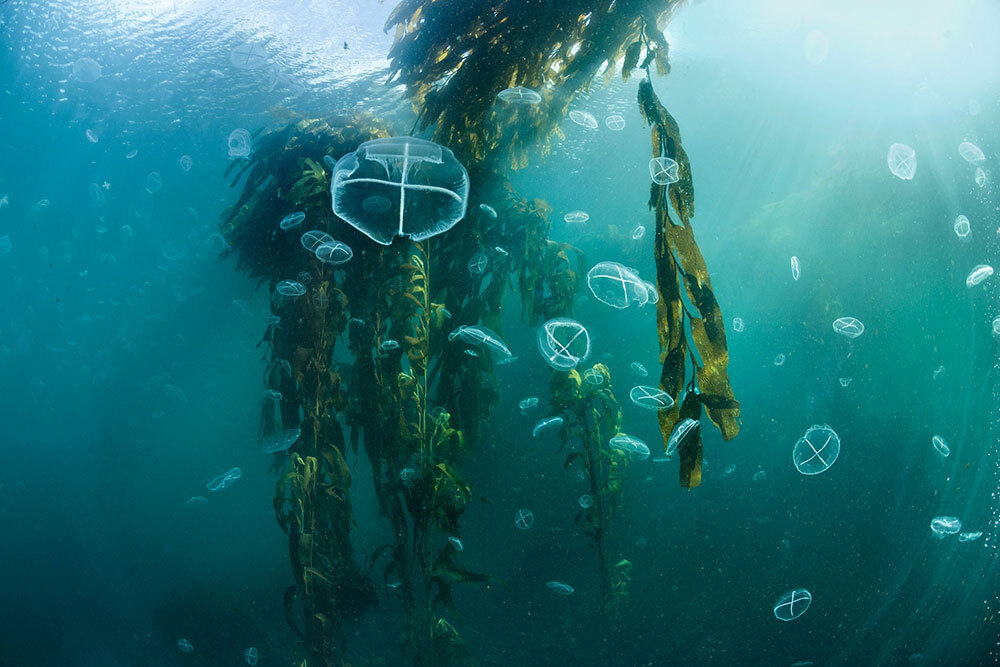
(130, 375)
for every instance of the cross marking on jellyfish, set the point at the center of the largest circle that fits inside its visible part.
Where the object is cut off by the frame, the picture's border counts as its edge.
(791, 603)
(478, 264)
(645, 394)
(563, 349)
(817, 451)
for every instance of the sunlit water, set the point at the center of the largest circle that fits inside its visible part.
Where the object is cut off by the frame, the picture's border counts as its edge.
(130, 374)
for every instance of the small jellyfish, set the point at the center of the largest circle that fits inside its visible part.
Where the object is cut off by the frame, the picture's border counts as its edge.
(524, 519)
(940, 446)
(477, 264)
(388, 345)
(585, 501)
(738, 324)
(583, 119)
(547, 424)
(292, 220)
(560, 587)
(272, 394)
(817, 450)
(185, 646)
(638, 232)
(630, 445)
(186, 162)
(962, 227)
(314, 238)
(224, 481)
(980, 177)
(651, 398)
(759, 475)
(618, 286)
(943, 526)
(848, 326)
(519, 95)
(937, 372)
(195, 501)
(796, 268)
(407, 474)
(251, 655)
(639, 369)
(729, 469)
(971, 152)
(527, 404)
(563, 343)
(978, 274)
(779, 360)
(996, 320)
(792, 604)
(970, 537)
(440, 416)
(131, 154)
(92, 136)
(291, 288)
(154, 182)
(334, 253)
(845, 381)
(663, 170)
(576, 217)
(615, 123)
(902, 161)
(456, 543)
(593, 377)
(86, 70)
(240, 143)
(680, 433)
(248, 56)
(488, 210)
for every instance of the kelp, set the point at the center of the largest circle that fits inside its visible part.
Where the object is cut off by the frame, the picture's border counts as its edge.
(593, 416)
(454, 56)
(680, 265)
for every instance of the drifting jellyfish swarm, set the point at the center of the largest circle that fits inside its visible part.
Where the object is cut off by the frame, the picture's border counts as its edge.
(586, 500)
(971, 152)
(816, 451)
(663, 170)
(962, 227)
(941, 446)
(618, 286)
(902, 161)
(563, 343)
(239, 143)
(583, 119)
(980, 177)
(519, 95)
(848, 326)
(970, 537)
(282, 441)
(680, 433)
(630, 445)
(426, 187)
(978, 274)
(651, 398)
(224, 481)
(639, 369)
(792, 604)
(186, 162)
(943, 526)
(524, 519)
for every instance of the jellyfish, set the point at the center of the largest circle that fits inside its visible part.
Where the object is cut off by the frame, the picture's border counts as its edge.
(583, 119)
(630, 445)
(576, 217)
(248, 56)
(962, 227)
(902, 161)
(617, 285)
(240, 143)
(519, 95)
(426, 186)
(292, 220)
(978, 274)
(848, 326)
(86, 70)
(663, 170)
(563, 343)
(615, 123)
(651, 398)
(291, 288)
(792, 604)
(971, 152)
(334, 253)
(524, 519)
(816, 451)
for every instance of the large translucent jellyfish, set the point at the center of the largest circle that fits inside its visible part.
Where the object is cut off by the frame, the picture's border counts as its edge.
(663, 170)
(483, 338)
(962, 227)
(680, 434)
(651, 398)
(792, 604)
(971, 152)
(848, 326)
(426, 187)
(940, 446)
(86, 70)
(584, 119)
(617, 285)
(248, 56)
(631, 445)
(902, 161)
(519, 95)
(524, 519)
(563, 343)
(943, 526)
(979, 273)
(816, 451)
(282, 441)
(240, 143)
(615, 123)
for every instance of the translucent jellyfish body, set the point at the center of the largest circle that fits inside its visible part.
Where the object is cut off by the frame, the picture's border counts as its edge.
(560, 587)
(576, 217)
(848, 326)
(651, 398)
(816, 450)
(524, 519)
(971, 152)
(663, 170)
(546, 425)
(563, 343)
(426, 187)
(292, 220)
(240, 143)
(792, 604)
(615, 122)
(962, 227)
(796, 268)
(519, 95)
(484, 339)
(630, 445)
(248, 56)
(618, 286)
(902, 161)
(583, 119)
(224, 481)
(978, 274)
(940, 446)
(86, 70)
(943, 526)
(680, 434)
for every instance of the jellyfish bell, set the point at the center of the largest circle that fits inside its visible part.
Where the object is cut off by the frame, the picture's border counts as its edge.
(425, 186)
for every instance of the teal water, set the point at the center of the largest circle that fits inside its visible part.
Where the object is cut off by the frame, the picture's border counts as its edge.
(130, 372)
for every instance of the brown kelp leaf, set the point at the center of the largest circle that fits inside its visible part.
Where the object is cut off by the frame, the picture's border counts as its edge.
(631, 59)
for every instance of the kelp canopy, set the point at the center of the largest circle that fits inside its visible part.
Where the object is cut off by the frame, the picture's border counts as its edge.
(455, 56)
